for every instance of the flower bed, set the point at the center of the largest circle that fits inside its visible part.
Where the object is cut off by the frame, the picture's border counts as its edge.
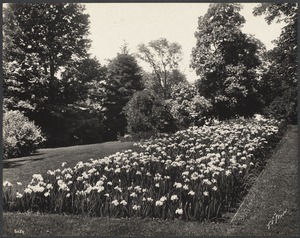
(194, 174)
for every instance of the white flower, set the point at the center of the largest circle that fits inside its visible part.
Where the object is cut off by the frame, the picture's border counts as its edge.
(68, 176)
(36, 188)
(138, 188)
(185, 187)
(228, 172)
(206, 181)
(174, 197)
(99, 189)
(136, 207)
(177, 185)
(109, 183)
(185, 173)
(133, 195)
(46, 194)
(159, 203)
(7, 184)
(215, 188)
(62, 185)
(18, 195)
(163, 198)
(205, 193)
(157, 185)
(149, 199)
(63, 164)
(99, 183)
(115, 202)
(123, 202)
(91, 171)
(106, 195)
(49, 186)
(28, 190)
(50, 172)
(68, 195)
(194, 176)
(18, 183)
(38, 177)
(179, 211)
(192, 193)
(118, 189)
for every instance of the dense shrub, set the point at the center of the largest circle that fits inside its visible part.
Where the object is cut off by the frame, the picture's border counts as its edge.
(74, 126)
(147, 115)
(187, 106)
(20, 136)
(280, 98)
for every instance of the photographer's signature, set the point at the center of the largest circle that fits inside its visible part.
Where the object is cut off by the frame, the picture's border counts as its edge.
(19, 231)
(276, 217)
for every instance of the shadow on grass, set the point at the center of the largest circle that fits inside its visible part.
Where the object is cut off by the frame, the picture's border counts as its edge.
(17, 163)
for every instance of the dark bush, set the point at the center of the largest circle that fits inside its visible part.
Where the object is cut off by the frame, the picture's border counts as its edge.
(147, 115)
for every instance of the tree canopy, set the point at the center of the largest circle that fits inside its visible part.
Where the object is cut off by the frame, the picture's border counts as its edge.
(163, 57)
(124, 78)
(48, 73)
(39, 41)
(226, 59)
(280, 77)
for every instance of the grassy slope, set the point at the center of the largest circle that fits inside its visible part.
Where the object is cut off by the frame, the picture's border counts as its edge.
(21, 169)
(275, 191)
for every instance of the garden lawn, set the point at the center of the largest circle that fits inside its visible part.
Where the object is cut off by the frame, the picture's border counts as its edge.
(21, 169)
(274, 191)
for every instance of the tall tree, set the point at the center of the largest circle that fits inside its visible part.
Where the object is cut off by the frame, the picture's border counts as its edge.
(163, 57)
(48, 73)
(280, 77)
(226, 59)
(124, 78)
(39, 40)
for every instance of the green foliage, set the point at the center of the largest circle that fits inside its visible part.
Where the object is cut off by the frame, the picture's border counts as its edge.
(124, 78)
(225, 59)
(197, 174)
(175, 77)
(187, 106)
(163, 57)
(20, 136)
(39, 41)
(279, 80)
(73, 126)
(48, 73)
(147, 115)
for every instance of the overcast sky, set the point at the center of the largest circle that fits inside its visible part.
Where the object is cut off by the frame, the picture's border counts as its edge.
(135, 23)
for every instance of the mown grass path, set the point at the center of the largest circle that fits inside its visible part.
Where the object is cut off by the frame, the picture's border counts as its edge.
(22, 169)
(275, 191)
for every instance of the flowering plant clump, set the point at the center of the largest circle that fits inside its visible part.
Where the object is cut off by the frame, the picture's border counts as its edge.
(194, 174)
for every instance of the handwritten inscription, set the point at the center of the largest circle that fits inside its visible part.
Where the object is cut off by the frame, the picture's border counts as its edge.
(19, 231)
(276, 217)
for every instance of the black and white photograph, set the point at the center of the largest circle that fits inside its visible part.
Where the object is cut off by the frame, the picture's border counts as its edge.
(149, 119)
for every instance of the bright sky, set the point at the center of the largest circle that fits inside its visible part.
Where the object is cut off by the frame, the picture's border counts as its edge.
(135, 23)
